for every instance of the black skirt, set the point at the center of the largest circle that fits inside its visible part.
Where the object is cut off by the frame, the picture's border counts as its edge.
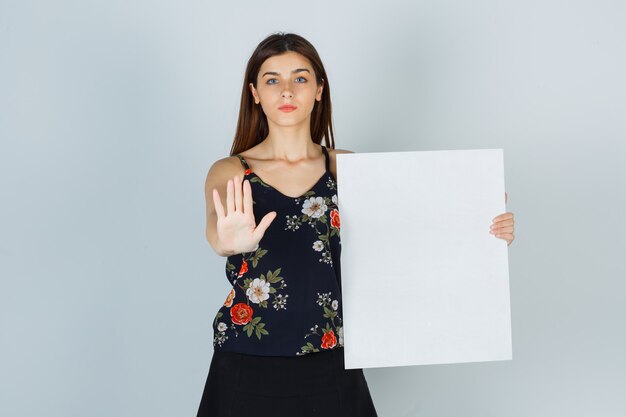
(314, 384)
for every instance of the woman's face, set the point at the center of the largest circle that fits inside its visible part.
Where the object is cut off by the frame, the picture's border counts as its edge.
(287, 78)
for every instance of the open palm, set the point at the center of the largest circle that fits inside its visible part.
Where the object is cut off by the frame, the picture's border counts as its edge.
(236, 228)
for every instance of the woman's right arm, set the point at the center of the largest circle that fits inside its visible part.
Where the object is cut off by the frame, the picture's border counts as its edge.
(219, 174)
(231, 225)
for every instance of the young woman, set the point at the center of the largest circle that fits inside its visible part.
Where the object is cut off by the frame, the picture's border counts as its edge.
(278, 338)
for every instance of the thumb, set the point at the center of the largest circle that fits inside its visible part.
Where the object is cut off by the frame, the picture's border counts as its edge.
(259, 231)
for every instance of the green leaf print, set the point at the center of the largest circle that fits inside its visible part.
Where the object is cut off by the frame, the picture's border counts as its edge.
(258, 255)
(249, 328)
(255, 326)
(273, 277)
(217, 316)
(259, 180)
(328, 313)
(260, 330)
(309, 346)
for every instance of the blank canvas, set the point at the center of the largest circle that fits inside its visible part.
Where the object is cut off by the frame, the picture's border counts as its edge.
(423, 280)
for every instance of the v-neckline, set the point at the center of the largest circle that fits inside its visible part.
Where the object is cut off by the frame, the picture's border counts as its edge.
(288, 196)
(326, 172)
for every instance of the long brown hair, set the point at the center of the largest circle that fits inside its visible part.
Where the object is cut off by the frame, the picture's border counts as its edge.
(252, 125)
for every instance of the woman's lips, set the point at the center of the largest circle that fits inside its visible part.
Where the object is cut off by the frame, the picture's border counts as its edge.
(287, 108)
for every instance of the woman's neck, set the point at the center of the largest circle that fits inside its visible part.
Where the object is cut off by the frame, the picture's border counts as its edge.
(290, 144)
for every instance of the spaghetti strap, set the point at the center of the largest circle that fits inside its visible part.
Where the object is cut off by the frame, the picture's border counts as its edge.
(326, 156)
(243, 162)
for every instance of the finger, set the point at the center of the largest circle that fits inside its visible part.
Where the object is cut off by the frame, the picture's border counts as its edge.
(259, 231)
(229, 197)
(506, 236)
(503, 216)
(499, 230)
(247, 197)
(219, 208)
(507, 222)
(238, 204)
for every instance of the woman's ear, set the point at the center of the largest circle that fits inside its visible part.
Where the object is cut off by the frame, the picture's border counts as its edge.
(255, 96)
(318, 96)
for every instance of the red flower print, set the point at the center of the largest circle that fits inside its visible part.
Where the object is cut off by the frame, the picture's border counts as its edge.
(241, 313)
(335, 221)
(229, 299)
(329, 340)
(248, 171)
(244, 268)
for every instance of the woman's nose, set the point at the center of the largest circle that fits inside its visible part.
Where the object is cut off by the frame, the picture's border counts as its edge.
(287, 93)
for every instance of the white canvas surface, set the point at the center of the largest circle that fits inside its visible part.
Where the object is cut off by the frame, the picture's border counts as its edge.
(423, 280)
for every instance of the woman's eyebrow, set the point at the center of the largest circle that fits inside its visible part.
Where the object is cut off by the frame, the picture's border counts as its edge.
(278, 73)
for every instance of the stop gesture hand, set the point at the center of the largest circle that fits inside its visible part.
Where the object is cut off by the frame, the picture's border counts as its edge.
(236, 229)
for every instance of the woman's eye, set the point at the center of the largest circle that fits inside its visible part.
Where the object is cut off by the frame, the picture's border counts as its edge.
(270, 81)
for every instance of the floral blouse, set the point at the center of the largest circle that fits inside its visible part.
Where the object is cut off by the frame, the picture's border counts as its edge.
(286, 295)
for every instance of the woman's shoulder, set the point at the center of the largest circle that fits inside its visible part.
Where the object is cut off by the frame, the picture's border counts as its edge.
(224, 169)
(333, 161)
(333, 152)
(230, 164)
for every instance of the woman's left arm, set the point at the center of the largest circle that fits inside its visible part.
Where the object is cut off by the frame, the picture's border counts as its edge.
(503, 225)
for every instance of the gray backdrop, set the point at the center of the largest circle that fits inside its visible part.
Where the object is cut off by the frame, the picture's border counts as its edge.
(111, 113)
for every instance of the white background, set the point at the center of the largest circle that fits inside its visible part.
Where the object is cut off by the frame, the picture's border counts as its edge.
(111, 113)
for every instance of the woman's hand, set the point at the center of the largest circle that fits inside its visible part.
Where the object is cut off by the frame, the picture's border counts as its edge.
(503, 225)
(236, 229)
